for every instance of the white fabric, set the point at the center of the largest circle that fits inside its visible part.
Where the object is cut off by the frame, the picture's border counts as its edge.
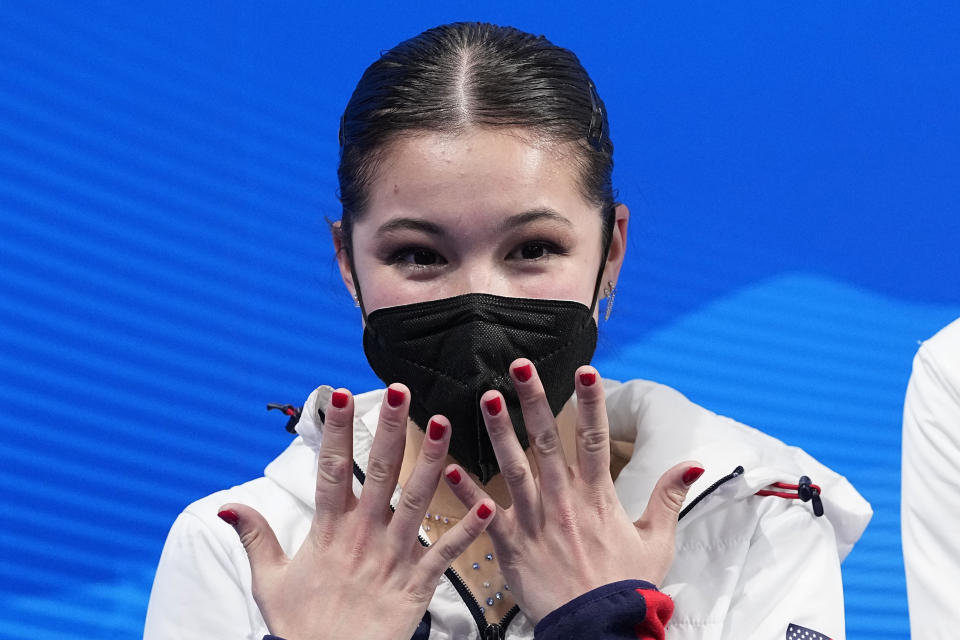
(746, 566)
(930, 503)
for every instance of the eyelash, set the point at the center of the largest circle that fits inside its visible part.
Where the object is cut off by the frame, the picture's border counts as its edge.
(401, 256)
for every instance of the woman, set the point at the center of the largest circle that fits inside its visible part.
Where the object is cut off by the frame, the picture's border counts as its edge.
(479, 231)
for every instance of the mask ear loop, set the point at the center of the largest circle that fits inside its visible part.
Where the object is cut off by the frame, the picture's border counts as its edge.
(607, 241)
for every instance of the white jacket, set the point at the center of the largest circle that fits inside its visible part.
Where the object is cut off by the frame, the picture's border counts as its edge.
(746, 566)
(930, 503)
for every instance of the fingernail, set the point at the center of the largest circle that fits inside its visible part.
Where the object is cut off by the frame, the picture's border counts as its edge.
(339, 399)
(484, 512)
(494, 406)
(691, 475)
(454, 476)
(523, 372)
(587, 379)
(436, 430)
(394, 397)
(229, 516)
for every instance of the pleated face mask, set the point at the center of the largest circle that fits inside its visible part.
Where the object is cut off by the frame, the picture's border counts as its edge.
(450, 351)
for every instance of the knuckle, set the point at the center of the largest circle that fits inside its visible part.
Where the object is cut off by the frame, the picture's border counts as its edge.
(419, 593)
(331, 467)
(673, 498)
(534, 396)
(379, 470)
(592, 439)
(448, 553)
(547, 443)
(391, 424)
(433, 455)
(413, 501)
(567, 521)
(515, 473)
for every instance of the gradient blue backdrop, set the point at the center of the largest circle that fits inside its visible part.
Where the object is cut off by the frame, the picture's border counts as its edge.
(165, 269)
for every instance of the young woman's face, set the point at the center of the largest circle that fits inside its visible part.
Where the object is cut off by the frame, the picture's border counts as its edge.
(480, 212)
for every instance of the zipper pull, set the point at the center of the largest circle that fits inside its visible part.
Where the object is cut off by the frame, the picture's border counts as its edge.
(494, 632)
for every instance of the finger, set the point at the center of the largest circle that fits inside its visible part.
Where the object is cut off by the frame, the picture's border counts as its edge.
(667, 498)
(467, 492)
(455, 541)
(422, 484)
(386, 454)
(256, 536)
(335, 462)
(542, 430)
(513, 462)
(593, 431)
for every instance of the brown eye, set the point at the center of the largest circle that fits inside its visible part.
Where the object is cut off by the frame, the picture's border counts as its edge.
(423, 257)
(532, 251)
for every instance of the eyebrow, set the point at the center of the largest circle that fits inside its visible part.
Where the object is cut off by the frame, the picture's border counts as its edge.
(511, 222)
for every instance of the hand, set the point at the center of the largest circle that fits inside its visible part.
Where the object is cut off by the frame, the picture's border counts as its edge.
(566, 532)
(361, 572)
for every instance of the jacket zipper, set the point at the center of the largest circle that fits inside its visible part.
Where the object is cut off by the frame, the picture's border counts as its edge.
(488, 631)
(716, 485)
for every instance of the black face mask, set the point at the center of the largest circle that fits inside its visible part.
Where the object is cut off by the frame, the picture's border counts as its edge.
(450, 351)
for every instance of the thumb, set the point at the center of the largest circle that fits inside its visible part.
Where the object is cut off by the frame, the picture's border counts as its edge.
(668, 496)
(256, 536)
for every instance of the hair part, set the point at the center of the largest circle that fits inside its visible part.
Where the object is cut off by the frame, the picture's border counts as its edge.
(471, 74)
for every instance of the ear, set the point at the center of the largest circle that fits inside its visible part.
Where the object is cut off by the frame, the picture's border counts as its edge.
(618, 245)
(343, 258)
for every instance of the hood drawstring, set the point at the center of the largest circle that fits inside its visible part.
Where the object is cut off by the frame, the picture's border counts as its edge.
(805, 491)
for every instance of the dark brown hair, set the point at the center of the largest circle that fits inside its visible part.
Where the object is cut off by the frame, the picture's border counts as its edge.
(474, 74)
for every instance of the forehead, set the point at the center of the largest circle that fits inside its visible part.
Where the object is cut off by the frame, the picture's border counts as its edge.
(481, 171)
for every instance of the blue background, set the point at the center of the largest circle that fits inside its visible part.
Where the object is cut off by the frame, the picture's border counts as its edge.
(165, 268)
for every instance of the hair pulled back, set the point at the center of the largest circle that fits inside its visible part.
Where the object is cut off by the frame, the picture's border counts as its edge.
(468, 74)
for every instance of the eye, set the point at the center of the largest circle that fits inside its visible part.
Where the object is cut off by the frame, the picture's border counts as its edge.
(417, 257)
(536, 250)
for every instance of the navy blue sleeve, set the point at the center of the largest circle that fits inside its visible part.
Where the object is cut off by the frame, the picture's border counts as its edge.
(632, 609)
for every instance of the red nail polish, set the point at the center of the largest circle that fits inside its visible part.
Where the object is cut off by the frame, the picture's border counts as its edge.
(587, 379)
(523, 372)
(436, 430)
(339, 399)
(484, 512)
(691, 475)
(229, 516)
(394, 397)
(494, 406)
(454, 476)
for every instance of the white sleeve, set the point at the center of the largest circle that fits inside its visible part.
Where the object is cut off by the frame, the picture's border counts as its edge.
(200, 589)
(790, 576)
(930, 502)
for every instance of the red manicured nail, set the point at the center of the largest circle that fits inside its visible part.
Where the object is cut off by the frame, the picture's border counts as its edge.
(229, 516)
(454, 476)
(523, 372)
(494, 406)
(484, 512)
(691, 475)
(587, 379)
(394, 397)
(339, 399)
(436, 430)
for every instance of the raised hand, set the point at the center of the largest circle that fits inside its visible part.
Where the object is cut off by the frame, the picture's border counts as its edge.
(566, 532)
(361, 572)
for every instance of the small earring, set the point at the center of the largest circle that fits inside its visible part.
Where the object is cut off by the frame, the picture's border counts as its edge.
(356, 300)
(610, 291)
